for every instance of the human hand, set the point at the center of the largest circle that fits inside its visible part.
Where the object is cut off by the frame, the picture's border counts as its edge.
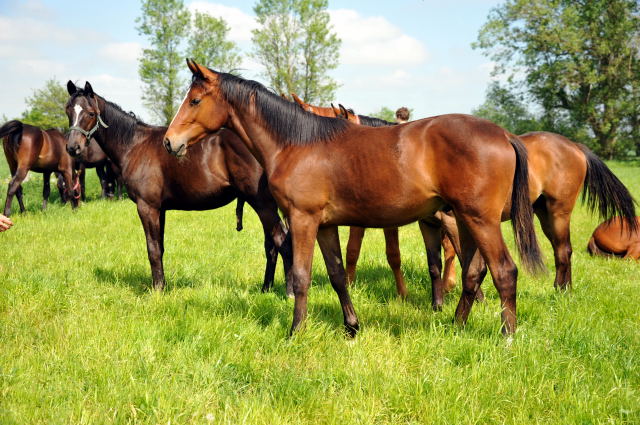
(5, 223)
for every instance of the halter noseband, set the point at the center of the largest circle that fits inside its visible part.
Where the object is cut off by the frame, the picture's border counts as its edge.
(89, 133)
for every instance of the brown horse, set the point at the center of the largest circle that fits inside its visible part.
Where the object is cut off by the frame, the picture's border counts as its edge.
(614, 237)
(29, 148)
(356, 234)
(326, 172)
(94, 157)
(558, 170)
(220, 170)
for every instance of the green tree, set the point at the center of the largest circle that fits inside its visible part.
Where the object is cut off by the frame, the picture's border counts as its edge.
(385, 113)
(165, 23)
(577, 57)
(45, 107)
(208, 44)
(297, 47)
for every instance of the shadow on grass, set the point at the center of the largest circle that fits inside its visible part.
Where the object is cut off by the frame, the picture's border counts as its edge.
(138, 280)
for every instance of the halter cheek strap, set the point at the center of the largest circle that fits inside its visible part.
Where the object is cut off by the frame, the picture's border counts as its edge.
(95, 128)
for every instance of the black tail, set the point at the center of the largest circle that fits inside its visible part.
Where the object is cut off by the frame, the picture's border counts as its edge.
(239, 212)
(522, 213)
(592, 248)
(604, 192)
(13, 129)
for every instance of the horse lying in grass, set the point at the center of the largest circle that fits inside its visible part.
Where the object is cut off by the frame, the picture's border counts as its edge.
(615, 238)
(218, 171)
(29, 148)
(559, 169)
(325, 172)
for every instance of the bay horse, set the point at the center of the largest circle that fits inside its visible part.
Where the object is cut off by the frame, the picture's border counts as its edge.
(356, 234)
(218, 171)
(325, 172)
(559, 169)
(28, 148)
(615, 238)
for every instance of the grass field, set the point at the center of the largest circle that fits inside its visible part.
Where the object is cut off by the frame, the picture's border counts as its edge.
(84, 341)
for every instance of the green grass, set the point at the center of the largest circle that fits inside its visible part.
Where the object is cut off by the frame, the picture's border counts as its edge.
(83, 339)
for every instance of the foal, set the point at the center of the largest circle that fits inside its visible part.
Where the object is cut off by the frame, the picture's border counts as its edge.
(29, 148)
(325, 172)
(220, 170)
(614, 237)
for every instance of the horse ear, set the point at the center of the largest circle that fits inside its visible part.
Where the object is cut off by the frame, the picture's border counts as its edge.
(192, 67)
(298, 100)
(343, 110)
(88, 90)
(336, 111)
(71, 88)
(200, 71)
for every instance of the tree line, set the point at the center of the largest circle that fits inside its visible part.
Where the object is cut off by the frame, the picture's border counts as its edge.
(566, 66)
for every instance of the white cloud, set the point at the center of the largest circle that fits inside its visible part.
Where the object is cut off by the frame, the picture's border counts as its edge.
(28, 29)
(239, 22)
(127, 52)
(373, 40)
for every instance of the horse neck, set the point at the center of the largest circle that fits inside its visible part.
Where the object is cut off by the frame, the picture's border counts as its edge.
(262, 145)
(111, 139)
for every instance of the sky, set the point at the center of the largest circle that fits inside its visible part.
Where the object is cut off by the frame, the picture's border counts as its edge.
(414, 53)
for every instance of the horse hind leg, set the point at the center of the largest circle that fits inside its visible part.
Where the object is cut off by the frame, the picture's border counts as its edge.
(392, 243)
(356, 234)
(431, 234)
(46, 188)
(15, 189)
(555, 222)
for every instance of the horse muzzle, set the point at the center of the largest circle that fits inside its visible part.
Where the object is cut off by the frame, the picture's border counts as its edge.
(179, 150)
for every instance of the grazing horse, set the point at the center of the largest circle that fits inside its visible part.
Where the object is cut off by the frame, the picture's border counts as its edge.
(356, 234)
(94, 157)
(326, 172)
(614, 237)
(219, 171)
(29, 148)
(558, 170)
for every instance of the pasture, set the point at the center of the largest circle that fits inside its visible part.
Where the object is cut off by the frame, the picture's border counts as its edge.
(85, 341)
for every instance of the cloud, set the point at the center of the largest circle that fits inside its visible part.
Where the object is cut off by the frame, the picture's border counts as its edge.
(127, 52)
(373, 40)
(22, 29)
(240, 23)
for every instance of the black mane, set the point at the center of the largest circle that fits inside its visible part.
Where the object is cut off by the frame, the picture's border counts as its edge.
(122, 124)
(286, 121)
(374, 122)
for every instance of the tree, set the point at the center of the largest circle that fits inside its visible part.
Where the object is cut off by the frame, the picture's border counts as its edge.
(507, 109)
(385, 114)
(45, 107)
(165, 23)
(208, 44)
(577, 57)
(296, 46)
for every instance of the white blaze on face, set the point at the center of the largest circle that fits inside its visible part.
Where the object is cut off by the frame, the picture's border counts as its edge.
(181, 103)
(77, 109)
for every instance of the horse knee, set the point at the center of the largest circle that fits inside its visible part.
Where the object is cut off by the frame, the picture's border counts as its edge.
(505, 279)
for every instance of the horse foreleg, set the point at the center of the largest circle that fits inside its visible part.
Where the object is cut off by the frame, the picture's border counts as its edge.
(153, 224)
(102, 176)
(431, 235)
(67, 176)
(329, 242)
(14, 187)
(633, 252)
(356, 234)
(392, 243)
(46, 188)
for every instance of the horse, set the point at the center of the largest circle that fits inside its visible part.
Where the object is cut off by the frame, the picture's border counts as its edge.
(325, 172)
(616, 238)
(220, 170)
(559, 169)
(29, 148)
(94, 157)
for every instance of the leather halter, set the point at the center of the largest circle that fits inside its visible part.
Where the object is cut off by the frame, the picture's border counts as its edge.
(89, 133)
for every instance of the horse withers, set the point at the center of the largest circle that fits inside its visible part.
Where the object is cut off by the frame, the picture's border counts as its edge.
(325, 172)
(28, 148)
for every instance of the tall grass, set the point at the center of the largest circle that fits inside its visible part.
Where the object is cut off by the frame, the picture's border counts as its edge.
(84, 340)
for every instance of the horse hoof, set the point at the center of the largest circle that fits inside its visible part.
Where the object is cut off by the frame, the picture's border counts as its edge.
(437, 306)
(351, 330)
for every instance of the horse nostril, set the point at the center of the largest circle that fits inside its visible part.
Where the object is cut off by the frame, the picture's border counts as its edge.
(167, 144)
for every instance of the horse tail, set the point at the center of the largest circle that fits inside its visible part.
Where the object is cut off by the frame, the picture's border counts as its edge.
(13, 131)
(239, 212)
(522, 213)
(592, 248)
(605, 193)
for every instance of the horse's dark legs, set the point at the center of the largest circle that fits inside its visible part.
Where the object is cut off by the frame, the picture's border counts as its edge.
(80, 175)
(329, 242)
(46, 188)
(431, 235)
(239, 213)
(104, 183)
(153, 224)
(67, 176)
(555, 222)
(478, 233)
(61, 188)
(15, 189)
(356, 234)
(392, 243)
(449, 273)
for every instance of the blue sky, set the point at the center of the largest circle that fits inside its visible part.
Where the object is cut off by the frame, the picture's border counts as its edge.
(413, 53)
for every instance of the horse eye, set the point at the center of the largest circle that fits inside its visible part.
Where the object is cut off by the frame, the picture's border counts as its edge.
(194, 102)
(92, 114)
